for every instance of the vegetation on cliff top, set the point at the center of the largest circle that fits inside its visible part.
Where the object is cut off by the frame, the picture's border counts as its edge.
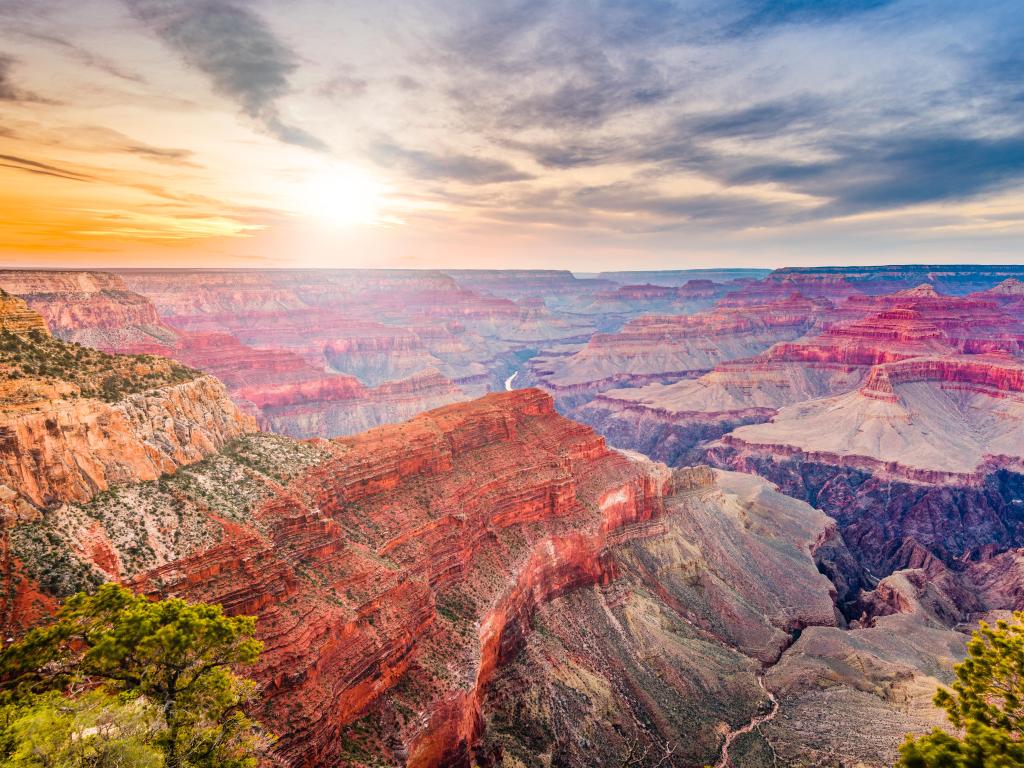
(120, 680)
(150, 523)
(985, 704)
(35, 355)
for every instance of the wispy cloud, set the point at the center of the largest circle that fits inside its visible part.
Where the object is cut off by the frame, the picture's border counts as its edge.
(244, 60)
(87, 57)
(9, 89)
(42, 169)
(454, 166)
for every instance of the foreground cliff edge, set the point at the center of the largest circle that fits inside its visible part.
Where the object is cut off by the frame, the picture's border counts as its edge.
(488, 581)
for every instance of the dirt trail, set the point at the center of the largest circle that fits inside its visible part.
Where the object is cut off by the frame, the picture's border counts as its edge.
(724, 761)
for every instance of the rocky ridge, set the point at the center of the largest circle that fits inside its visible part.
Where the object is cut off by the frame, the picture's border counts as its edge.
(420, 586)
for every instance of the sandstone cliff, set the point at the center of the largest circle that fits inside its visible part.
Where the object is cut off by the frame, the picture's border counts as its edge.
(459, 587)
(16, 317)
(74, 421)
(71, 449)
(93, 308)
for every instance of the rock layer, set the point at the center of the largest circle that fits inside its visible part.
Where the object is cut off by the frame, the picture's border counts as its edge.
(69, 450)
(451, 589)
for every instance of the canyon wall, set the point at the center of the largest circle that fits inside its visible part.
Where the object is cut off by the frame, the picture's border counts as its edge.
(70, 449)
(75, 421)
(489, 582)
(460, 587)
(93, 308)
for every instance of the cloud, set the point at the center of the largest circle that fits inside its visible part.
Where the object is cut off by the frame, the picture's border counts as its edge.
(451, 166)
(761, 14)
(9, 90)
(761, 120)
(160, 154)
(408, 84)
(42, 169)
(94, 138)
(344, 85)
(87, 57)
(596, 91)
(734, 211)
(237, 51)
(898, 171)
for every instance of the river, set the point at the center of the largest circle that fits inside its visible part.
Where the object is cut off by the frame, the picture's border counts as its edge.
(509, 380)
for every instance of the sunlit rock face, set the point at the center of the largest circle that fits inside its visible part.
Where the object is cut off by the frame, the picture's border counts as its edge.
(899, 414)
(17, 318)
(66, 437)
(451, 589)
(668, 348)
(490, 582)
(75, 422)
(859, 342)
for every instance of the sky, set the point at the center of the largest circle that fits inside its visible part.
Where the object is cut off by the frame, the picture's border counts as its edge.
(579, 134)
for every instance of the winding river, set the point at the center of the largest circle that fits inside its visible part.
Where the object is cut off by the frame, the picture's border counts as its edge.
(509, 380)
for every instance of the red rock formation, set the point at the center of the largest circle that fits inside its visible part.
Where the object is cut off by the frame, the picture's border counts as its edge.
(665, 348)
(500, 499)
(16, 317)
(58, 444)
(70, 449)
(974, 373)
(396, 578)
(94, 308)
(957, 279)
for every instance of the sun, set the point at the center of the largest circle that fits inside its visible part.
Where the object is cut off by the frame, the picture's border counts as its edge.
(340, 196)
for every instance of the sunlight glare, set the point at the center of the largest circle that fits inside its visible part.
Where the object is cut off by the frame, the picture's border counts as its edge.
(341, 197)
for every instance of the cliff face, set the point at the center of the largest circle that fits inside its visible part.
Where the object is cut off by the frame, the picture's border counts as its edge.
(16, 317)
(955, 279)
(74, 421)
(863, 344)
(71, 449)
(899, 415)
(374, 345)
(93, 308)
(487, 508)
(667, 348)
(458, 587)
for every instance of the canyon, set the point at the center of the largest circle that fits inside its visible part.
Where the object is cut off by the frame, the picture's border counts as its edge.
(532, 518)
(414, 615)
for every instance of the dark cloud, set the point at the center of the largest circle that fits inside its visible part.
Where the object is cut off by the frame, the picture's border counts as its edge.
(568, 154)
(596, 91)
(760, 120)
(523, 64)
(468, 169)
(239, 53)
(42, 169)
(897, 171)
(550, 63)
